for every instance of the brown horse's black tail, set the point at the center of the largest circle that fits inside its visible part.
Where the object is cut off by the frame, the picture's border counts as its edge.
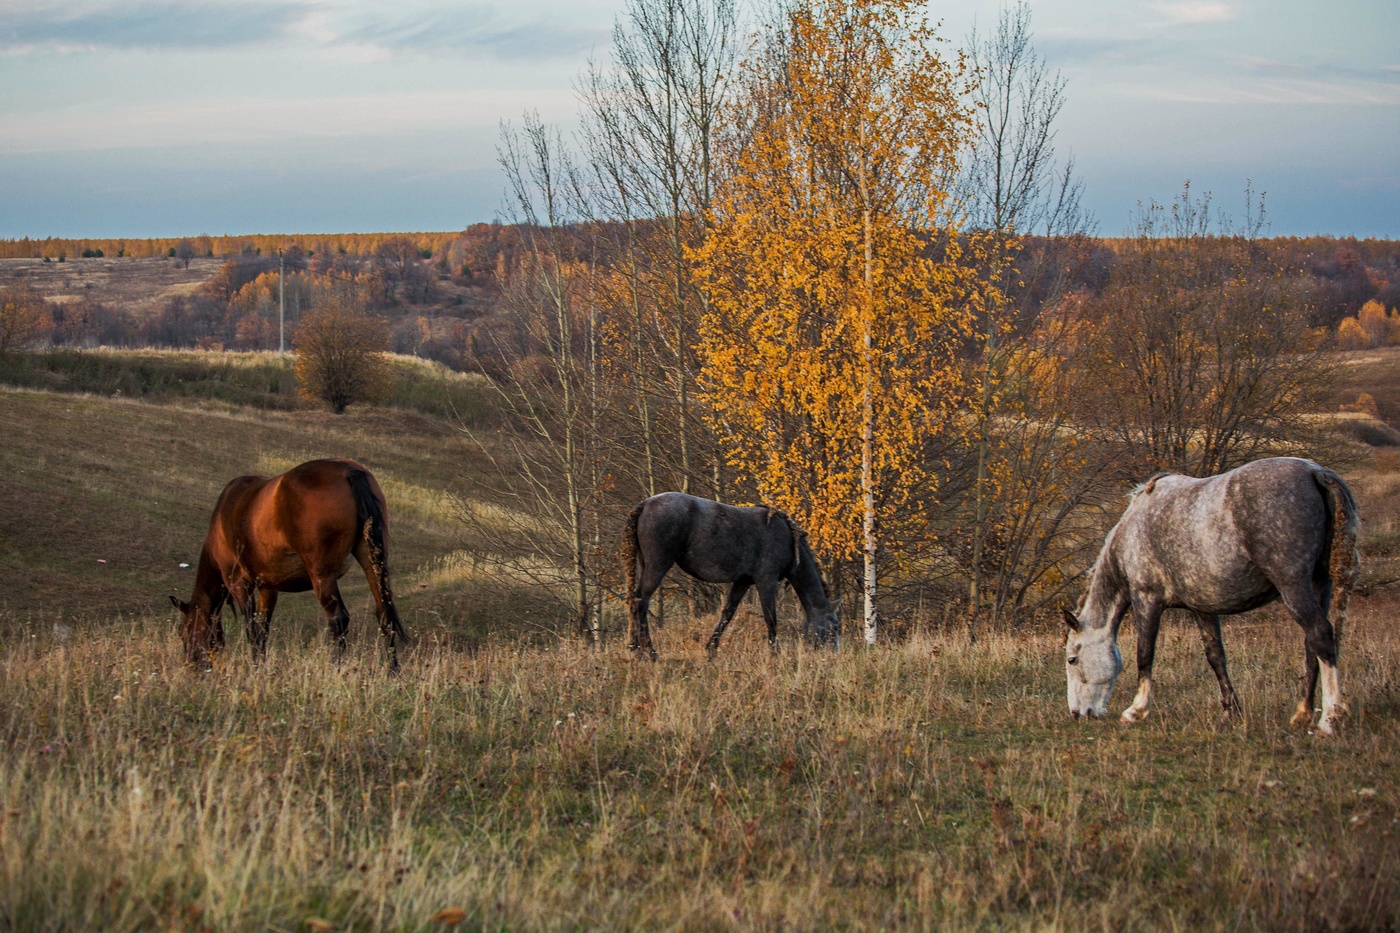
(630, 550)
(1343, 560)
(373, 525)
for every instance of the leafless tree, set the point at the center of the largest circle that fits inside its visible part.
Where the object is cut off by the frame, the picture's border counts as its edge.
(1015, 187)
(551, 470)
(184, 252)
(649, 129)
(1198, 343)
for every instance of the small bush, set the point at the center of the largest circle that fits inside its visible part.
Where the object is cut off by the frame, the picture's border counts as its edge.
(341, 353)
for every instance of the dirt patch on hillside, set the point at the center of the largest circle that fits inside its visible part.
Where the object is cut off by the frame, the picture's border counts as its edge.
(138, 286)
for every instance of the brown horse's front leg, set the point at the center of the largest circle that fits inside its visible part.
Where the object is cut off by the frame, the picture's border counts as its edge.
(260, 620)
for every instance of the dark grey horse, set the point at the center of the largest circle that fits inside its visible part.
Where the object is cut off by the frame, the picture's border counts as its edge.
(752, 546)
(1281, 528)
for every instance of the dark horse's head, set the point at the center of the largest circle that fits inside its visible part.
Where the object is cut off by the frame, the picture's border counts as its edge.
(200, 631)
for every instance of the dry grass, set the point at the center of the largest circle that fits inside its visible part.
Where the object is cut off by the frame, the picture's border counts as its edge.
(132, 484)
(927, 786)
(540, 784)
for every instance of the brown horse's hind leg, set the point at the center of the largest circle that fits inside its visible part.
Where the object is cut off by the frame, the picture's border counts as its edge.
(731, 605)
(337, 616)
(1209, 626)
(385, 611)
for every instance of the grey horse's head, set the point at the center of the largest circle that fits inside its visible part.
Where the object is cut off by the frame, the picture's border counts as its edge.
(1092, 666)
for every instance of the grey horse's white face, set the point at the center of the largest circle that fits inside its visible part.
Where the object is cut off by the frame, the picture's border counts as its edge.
(1092, 666)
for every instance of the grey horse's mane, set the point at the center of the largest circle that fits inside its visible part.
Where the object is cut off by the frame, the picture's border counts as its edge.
(1145, 488)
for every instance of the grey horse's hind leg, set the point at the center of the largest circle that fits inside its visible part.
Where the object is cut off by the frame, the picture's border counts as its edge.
(1215, 655)
(1308, 702)
(1320, 643)
(731, 605)
(1147, 619)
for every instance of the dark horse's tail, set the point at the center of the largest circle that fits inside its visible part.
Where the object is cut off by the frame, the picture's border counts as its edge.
(1343, 561)
(629, 550)
(370, 516)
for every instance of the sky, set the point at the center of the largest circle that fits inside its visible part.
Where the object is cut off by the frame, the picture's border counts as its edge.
(142, 118)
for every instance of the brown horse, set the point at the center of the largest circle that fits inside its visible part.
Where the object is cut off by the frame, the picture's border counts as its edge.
(289, 534)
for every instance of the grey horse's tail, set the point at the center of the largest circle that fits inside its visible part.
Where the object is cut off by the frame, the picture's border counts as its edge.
(629, 549)
(373, 525)
(1343, 560)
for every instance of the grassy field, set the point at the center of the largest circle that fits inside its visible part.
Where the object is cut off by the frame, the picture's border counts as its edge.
(924, 786)
(537, 783)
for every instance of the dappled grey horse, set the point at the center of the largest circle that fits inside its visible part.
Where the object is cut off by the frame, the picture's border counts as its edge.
(1281, 528)
(750, 546)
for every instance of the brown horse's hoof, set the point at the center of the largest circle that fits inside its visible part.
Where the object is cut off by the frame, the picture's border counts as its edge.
(643, 652)
(1302, 718)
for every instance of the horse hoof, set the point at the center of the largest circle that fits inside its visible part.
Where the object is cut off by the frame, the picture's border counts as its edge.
(1301, 719)
(1327, 727)
(1132, 716)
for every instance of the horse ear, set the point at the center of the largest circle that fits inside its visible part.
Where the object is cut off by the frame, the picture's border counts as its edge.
(178, 604)
(1071, 620)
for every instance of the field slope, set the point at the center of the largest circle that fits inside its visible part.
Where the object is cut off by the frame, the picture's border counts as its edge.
(543, 784)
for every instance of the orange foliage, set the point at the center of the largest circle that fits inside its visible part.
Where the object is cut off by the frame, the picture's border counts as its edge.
(828, 349)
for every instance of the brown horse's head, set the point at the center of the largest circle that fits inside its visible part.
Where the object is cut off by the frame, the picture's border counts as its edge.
(201, 632)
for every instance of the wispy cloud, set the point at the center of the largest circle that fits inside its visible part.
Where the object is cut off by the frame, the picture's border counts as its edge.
(364, 28)
(144, 24)
(245, 120)
(460, 27)
(1196, 12)
(1334, 93)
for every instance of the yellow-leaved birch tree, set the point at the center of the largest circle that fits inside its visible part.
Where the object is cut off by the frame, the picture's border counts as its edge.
(832, 267)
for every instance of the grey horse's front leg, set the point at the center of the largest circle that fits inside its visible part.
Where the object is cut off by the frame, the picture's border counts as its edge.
(731, 605)
(1209, 626)
(1147, 619)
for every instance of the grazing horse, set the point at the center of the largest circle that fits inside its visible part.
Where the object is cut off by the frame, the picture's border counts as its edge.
(752, 546)
(289, 534)
(1281, 528)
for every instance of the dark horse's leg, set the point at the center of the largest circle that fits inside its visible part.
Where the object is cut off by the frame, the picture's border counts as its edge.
(731, 605)
(260, 620)
(768, 599)
(1320, 647)
(1215, 655)
(638, 635)
(1147, 619)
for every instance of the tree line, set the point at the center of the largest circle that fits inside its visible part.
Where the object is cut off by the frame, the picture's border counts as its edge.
(821, 261)
(826, 264)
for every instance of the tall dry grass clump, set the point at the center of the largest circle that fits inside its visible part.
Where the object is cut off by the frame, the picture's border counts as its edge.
(930, 785)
